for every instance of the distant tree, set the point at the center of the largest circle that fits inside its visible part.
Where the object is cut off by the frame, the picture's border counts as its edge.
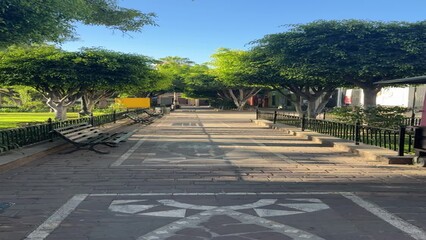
(200, 83)
(232, 68)
(173, 71)
(29, 21)
(151, 84)
(49, 70)
(103, 73)
(20, 96)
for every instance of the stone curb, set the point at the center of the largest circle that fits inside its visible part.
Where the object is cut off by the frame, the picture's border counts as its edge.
(370, 153)
(19, 157)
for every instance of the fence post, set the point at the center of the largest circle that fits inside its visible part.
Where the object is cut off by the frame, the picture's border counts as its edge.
(114, 116)
(49, 121)
(257, 114)
(91, 120)
(303, 123)
(275, 117)
(401, 140)
(357, 132)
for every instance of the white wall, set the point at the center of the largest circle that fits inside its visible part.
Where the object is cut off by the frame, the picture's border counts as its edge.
(393, 96)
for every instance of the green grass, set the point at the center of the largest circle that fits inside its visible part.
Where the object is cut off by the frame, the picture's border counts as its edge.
(15, 119)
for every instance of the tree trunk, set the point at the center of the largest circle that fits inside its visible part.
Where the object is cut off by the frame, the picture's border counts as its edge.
(58, 108)
(84, 110)
(243, 97)
(298, 105)
(370, 95)
(324, 100)
(60, 112)
(237, 100)
(91, 104)
(311, 110)
(314, 109)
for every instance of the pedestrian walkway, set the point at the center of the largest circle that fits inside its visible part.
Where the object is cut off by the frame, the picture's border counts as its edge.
(212, 175)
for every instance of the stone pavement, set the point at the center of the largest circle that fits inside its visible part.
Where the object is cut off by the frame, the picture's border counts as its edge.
(212, 175)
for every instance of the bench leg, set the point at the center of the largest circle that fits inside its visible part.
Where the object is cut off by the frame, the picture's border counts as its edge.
(90, 148)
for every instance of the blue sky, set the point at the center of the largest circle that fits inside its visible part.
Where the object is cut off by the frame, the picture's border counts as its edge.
(197, 28)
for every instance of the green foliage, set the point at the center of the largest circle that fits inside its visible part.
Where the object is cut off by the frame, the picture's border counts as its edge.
(63, 77)
(115, 107)
(100, 69)
(172, 72)
(200, 83)
(25, 99)
(380, 116)
(349, 52)
(233, 68)
(44, 68)
(29, 21)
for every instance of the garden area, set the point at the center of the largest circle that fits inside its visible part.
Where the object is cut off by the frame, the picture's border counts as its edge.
(23, 119)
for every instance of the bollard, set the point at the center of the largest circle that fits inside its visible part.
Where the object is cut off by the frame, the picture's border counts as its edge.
(49, 121)
(275, 117)
(401, 142)
(114, 116)
(257, 114)
(357, 132)
(303, 122)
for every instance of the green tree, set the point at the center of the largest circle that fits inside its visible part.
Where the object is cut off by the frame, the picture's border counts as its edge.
(49, 70)
(173, 70)
(200, 83)
(103, 73)
(233, 69)
(279, 68)
(355, 51)
(29, 21)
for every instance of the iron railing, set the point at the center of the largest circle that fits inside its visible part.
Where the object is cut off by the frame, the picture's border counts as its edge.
(400, 140)
(18, 137)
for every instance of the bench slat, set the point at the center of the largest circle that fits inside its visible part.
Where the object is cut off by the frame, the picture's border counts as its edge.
(67, 131)
(87, 138)
(71, 126)
(91, 130)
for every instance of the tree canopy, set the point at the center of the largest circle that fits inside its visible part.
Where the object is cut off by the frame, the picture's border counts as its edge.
(63, 77)
(352, 51)
(103, 73)
(29, 21)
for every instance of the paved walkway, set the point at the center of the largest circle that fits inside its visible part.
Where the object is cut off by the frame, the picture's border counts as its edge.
(212, 175)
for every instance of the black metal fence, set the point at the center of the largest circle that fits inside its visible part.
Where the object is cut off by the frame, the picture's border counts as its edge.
(400, 140)
(18, 137)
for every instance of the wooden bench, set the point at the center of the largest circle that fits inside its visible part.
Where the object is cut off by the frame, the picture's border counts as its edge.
(85, 136)
(138, 119)
(152, 113)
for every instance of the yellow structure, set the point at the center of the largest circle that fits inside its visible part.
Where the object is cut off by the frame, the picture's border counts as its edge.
(134, 102)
